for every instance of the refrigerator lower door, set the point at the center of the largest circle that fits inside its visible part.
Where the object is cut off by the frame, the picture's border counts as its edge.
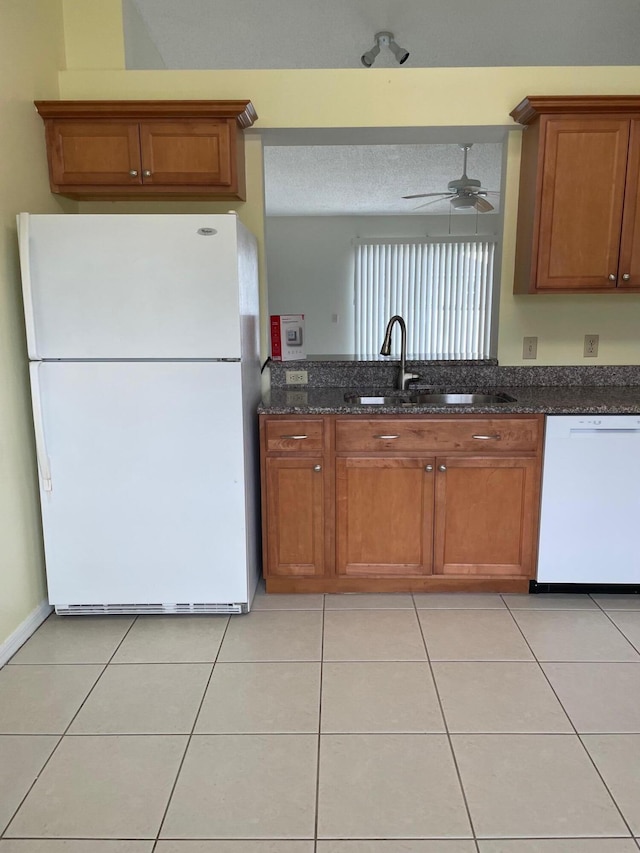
(144, 509)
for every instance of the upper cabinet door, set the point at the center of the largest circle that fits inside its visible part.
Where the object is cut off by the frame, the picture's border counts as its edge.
(196, 153)
(629, 267)
(583, 180)
(104, 153)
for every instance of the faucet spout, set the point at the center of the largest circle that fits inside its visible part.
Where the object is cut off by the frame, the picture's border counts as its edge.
(403, 377)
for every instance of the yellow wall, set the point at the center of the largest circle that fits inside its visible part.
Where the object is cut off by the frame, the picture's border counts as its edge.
(31, 53)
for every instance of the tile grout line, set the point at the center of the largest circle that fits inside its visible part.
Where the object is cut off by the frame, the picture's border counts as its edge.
(446, 727)
(190, 736)
(577, 734)
(610, 618)
(317, 814)
(619, 629)
(62, 736)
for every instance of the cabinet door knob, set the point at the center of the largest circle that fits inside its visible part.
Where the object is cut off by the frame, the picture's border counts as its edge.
(317, 467)
(428, 467)
(147, 173)
(442, 467)
(133, 173)
(626, 277)
(612, 277)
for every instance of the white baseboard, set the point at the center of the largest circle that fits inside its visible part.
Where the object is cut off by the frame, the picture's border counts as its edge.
(24, 631)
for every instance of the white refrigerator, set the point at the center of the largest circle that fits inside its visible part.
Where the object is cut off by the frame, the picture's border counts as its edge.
(143, 341)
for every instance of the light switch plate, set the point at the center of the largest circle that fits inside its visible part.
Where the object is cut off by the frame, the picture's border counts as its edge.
(530, 347)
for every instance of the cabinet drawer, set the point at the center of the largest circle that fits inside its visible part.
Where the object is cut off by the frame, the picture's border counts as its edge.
(482, 435)
(299, 436)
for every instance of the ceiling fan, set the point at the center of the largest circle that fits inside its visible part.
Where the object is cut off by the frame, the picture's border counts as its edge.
(463, 193)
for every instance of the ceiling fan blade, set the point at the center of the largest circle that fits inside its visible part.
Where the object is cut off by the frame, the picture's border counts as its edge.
(433, 201)
(483, 205)
(424, 195)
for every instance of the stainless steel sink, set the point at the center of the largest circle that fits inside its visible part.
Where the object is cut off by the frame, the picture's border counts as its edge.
(430, 398)
(455, 399)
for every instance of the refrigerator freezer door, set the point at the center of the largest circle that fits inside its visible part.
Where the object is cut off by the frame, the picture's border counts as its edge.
(147, 499)
(130, 286)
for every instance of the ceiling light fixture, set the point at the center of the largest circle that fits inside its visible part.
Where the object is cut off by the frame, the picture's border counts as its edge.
(384, 39)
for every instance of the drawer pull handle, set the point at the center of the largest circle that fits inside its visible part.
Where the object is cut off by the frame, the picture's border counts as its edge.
(495, 437)
(386, 436)
(294, 437)
(317, 467)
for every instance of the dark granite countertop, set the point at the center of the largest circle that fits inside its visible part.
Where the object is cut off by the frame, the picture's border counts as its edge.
(529, 399)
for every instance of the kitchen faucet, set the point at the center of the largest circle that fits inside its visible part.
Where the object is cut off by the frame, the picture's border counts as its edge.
(403, 376)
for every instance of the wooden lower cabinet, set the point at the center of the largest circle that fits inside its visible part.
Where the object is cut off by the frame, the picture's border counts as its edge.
(294, 531)
(485, 523)
(345, 519)
(384, 516)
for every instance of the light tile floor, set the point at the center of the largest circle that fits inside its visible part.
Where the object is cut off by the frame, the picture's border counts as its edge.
(329, 724)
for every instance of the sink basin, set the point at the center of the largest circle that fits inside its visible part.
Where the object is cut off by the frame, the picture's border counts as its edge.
(433, 398)
(455, 399)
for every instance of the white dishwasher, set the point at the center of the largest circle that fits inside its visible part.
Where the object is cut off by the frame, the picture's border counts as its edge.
(590, 512)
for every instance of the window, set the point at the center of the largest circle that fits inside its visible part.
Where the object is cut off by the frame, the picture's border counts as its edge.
(442, 289)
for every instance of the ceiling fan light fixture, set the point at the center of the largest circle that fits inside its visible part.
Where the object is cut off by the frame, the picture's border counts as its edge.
(384, 39)
(463, 202)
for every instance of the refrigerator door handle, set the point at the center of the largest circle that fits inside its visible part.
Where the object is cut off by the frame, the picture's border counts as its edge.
(38, 423)
(27, 295)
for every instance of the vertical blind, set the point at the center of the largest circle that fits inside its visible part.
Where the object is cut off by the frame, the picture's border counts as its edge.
(442, 290)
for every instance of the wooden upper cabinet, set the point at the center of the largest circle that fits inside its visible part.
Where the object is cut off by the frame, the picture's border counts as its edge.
(197, 153)
(105, 154)
(585, 163)
(152, 149)
(629, 265)
(579, 187)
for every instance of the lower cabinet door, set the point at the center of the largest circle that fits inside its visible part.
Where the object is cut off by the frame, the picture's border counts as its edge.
(384, 516)
(295, 517)
(486, 516)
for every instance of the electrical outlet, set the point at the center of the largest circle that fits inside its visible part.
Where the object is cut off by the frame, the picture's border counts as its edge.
(591, 346)
(530, 347)
(296, 377)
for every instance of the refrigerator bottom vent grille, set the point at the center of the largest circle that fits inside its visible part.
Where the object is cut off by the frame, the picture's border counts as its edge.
(133, 609)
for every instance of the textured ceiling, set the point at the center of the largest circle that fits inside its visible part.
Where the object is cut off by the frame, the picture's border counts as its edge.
(331, 180)
(335, 33)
